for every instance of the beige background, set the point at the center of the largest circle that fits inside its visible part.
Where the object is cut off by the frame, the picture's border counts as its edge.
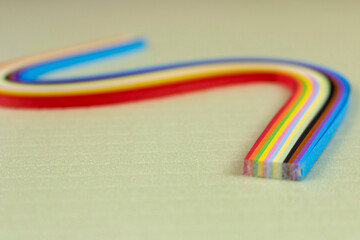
(170, 168)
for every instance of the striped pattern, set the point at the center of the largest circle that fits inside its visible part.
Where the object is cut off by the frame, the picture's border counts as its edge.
(287, 148)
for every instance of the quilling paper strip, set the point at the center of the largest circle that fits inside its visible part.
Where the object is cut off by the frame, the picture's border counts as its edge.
(287, 148)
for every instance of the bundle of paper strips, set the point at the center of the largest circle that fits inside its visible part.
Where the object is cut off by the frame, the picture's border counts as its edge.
(287, 148)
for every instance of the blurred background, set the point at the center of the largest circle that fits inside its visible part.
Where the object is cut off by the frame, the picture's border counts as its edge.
(171, 168)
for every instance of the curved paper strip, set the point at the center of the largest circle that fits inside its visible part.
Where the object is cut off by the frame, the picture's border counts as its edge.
(287, 148)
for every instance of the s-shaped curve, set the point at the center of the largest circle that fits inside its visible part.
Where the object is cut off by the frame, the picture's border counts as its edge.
(287, 148)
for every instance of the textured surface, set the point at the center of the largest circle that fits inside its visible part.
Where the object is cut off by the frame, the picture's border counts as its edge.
(170, 168)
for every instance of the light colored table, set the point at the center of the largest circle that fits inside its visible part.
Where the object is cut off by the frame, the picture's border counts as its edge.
(170, 168)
